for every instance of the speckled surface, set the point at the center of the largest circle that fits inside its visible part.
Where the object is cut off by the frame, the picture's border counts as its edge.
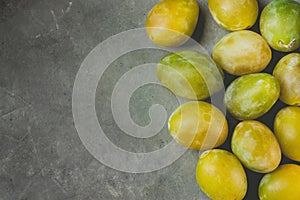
(42, 44)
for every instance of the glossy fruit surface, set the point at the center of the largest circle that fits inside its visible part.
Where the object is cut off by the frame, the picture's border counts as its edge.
(190, 74)
(232, 14)
(280, 25)
(256, 146)
(287, 130)
(251, 96)
(170, 23)
(283, 183)
(242, 52)
(221, 176)
(198, 125)
(287, 72)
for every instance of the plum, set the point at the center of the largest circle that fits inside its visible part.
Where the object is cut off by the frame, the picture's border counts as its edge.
(287, 130)
(287, 72)
(221, 176)
(170, 23)
(232, 14)
(280, 25)
(198, 125)
(251, 96)
(256, 146)
(283, 183)
(242, 52)
(190, 74)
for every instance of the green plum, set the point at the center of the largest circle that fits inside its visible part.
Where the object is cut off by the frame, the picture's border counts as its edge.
(251, 96)
(280, 25)
(190, 74)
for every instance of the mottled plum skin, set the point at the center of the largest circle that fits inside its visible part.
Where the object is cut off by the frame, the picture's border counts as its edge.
(287, 130)
(242, 52)
(256, 146)
(234, 15)
(170, 23)
(221, 176)
(190, 74)
(251, 96)
(198, 125)
(287, 72)
(283, 183)
(280, 25)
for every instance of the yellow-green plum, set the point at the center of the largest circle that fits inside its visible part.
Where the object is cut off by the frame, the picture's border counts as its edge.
(221, 176)
(256, 146)
(198, 125)
(287, 130)
(287, 72)
(242, 52)
(251, 96)
(190, 74)
(234, 14)
(170, 23)
(281, 184)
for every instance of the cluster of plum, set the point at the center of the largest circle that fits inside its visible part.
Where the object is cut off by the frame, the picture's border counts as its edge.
(243, 53)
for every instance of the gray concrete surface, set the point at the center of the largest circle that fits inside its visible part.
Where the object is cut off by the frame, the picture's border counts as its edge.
(42, 44)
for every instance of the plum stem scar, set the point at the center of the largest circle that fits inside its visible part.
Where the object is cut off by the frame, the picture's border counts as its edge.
(290, 45)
